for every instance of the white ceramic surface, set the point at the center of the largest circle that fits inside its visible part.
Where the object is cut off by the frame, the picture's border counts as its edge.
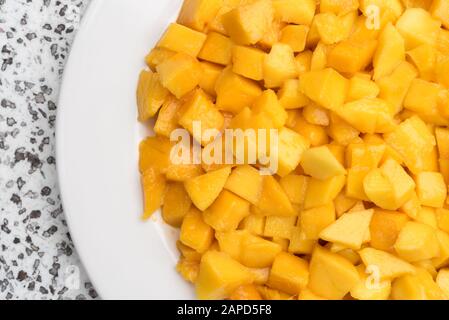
(97, 153)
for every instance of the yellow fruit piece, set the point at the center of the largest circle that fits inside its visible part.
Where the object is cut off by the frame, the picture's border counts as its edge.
(308, 295)
(153, 184)
(195, 233)
(226, 213)
(199, 109)
(188, 269)
(273, 34)
(322, 192)
(415, 143)
(303, 61)
(248, 23)
(389, 266)
(279, 66)
(235, 92)
(188, 253)
(295, 36)
(176, 204)
(442, 71)
(209, 76)
(274, 201)
(443, 281)
(341, 131)
(321, 164)
(360, 88)
(417, 27)
(297, 12)
(442, 136)
(295, 187)
(269, 105)
(425, 4)
(424, 58)
(183, 172)
(248, 62)
(217, 48)
(204, 189)
(422, 98)
(442, 216)
(167, 119)
(180, 74)
(394, 87)
(368, 115)
(431, 189)
(349, 230)
(338, 7)
(343, 204)
(157, 56)
(316, 115)
(319, 57)
(254, 223)
(370, 290)
(246, 292)
(279, 227)
(326, 87)
(289, 274)
(390, 52)
(331, 275)
(220, 276)
(365, 155)
(416, 242)
(351, 56)
(385, 228)
(314, 221)
(419, 286)
(290, 96)
(258, 252)
(390, 10)
(299, 243)
(291, 147)
(271, 294)
(150, 95)
(246, 182)
(197, 14)
(181, 39)
(231, 242)
(426, 215)
(412, 206)
(154, 153)
(314, 134)
(440, 11)
(260, 275)
(443, 242)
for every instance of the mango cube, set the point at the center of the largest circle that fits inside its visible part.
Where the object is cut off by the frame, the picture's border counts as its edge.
(176, 204)
(248, 62)
(326, 87)
(439, 10)
(180, 74)
(220, 276)
(204, 189)
(321, 164)
(290, 150)
(247, 292)
(365, 290)
(322, 192)
(424, 58)
(248, 23)
(289, 274)
(331, 275)
(295, 36)
(157, 56)
(442, 136)
(360, 88)
(154, 153)
(279, 227)
(167, 119)
(299, 243)
(389, 266)
(314, 221)
(269, 105)
(443, 280)
(351, 56)
(339, 7)
(209, 76)
(195, 233)
(330, 28)
(246, 182)
(235, 92)
(254, 223)
(258, 252)
(197, 14)
(295, 187)
(150, 95)
(153, 183)
(292, 11)
(217, 48)
(416, 242)
(181, 39)
(290, 96)
(419, 286)
(417, 27)
(431, 189)
(385, 228)
(274, 201)
(279, 65)
(390, 52)
(349, 230)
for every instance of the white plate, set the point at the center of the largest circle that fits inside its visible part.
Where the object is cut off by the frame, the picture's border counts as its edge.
(97, 153)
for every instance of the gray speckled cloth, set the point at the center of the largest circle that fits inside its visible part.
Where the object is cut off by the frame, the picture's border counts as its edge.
(37, 257)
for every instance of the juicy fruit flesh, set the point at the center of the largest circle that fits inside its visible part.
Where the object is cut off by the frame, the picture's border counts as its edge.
(363, 158)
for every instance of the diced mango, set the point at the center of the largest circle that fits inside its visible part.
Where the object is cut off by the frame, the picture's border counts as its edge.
(295, 36)
(154, 152)
(197, 14)
(314, 221)
(153, 183)
(195, 233)
(248, 23)
(157, 56)
(279, 66)
(291, 147)
(351, 56)
(176, 204)
(321, 164)
(181, 39)
(443, 281)
(390, 52)
(220, 276)
(295, 187)
(419, 286)
(268, 104)
(274, 200)
(217, 48)
(150, 95)
(424, 58)
(279, 226)
(389, 266)
(431, 189)
(442, 136)
(289, 274)
(235, 92)
(370, 290)
(292, 11)
(254, 223)
(258, 252)
(349, 230)
(290, 96)
(385, 228)
(360, 88)
(331, 275)
(246, 182)
(248, 62)
(246, 292)
(326, 87)
(315, 114)
(204, 189)
(209, 76)
(322, 192)
(440, 11)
